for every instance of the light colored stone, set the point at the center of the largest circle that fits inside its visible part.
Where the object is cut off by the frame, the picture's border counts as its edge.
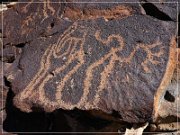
(138, 131)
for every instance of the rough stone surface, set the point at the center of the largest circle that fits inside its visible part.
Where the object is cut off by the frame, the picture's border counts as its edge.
(168, 112)
(171, 95)
(108, 57)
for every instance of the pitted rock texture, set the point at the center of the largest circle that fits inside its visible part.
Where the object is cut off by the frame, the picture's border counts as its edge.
(108, 57)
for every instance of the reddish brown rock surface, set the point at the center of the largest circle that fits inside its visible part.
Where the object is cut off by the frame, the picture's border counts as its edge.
(109, 58)
(105, 57)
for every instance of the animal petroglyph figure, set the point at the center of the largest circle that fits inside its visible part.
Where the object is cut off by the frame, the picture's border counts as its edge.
(70, 49)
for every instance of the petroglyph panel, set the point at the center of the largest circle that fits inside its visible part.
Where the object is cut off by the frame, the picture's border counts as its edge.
(114, 60)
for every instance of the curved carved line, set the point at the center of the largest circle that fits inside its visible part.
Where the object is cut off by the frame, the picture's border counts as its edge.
(40, 75)
(104, 78)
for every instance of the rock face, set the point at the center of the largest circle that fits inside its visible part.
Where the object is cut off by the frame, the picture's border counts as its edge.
(168, 112)
(171, 96)
(108, 57)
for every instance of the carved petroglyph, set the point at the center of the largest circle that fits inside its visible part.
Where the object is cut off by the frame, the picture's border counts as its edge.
(47, 7)
(70, 48)
(24, 9)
